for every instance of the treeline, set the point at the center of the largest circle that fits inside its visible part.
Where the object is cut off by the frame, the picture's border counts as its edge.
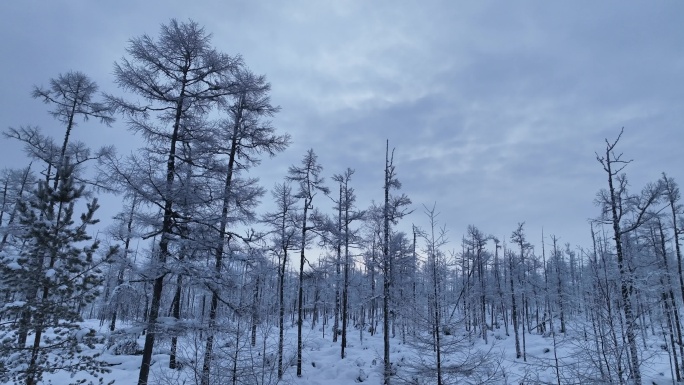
(190, 262)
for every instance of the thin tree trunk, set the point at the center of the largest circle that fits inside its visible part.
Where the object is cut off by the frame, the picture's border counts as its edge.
(559, 286)
(166, 230)
(672, 194)
(674, 322)
(437, 328)
(616, 209)
(255, 308)
(345, 293)
(127, 248)
(345, 302)
(373, 310)
(514, 308)
(176, 315)
(219, 250)
(300, 291)
(281, 310)
(387, 372)
(338, 272)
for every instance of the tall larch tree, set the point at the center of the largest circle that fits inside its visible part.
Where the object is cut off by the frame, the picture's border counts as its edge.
(179, 78)
(244, 135)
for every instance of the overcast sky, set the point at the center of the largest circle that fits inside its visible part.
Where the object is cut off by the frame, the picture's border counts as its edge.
(496, 109)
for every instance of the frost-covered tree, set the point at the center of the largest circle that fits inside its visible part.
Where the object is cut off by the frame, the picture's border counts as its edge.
(347, 237)
(519, 239)
(15, 183)
(118, 293)
(284, 223)
(625, 213)
(53, 274)
(237, 143)
(393, 210)
(179, 79)
(310, 182)
(72, 96)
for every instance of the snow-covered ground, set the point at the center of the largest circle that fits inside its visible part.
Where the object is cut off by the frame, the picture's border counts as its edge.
(363, 363)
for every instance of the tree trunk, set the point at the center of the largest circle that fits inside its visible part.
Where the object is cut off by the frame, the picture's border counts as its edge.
(514, 308)
(672, 304)
(300, 291)
(281, 311)
(255, 308)
(338, 272)
(625, 283)
(672, 194)
(387, 372)
(176, 315)
(166, 230)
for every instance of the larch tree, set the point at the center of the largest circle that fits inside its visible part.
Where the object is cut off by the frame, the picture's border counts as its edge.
(347, 237)
(240, 138)
(476, 242)
(512, 267)
(123, 230)
(284, 224)
(519, 239)
(179, 78)
(72, 95)
(309, 180)
(393, 209)
(558, 262)
(624, 213)
(672, 198)
(435, 239)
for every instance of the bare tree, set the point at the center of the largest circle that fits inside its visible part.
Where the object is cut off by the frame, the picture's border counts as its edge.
(518, 237)
(72, 95)
(435, 238)
(309, 180)
(393, 210)
(625, 213)
(347, 216)
(285, 224)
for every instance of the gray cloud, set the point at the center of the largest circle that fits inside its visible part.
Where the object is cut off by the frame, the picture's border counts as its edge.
(495, 109)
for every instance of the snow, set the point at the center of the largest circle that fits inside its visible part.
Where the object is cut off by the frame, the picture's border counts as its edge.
(14, 304)
(363, 364)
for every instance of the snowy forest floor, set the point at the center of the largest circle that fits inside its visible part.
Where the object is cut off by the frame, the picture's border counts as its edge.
(363, 362)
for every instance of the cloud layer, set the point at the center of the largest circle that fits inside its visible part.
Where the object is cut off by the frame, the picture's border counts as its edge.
(495, 109)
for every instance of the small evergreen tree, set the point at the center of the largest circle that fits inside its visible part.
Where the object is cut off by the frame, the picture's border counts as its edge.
(52, 271)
